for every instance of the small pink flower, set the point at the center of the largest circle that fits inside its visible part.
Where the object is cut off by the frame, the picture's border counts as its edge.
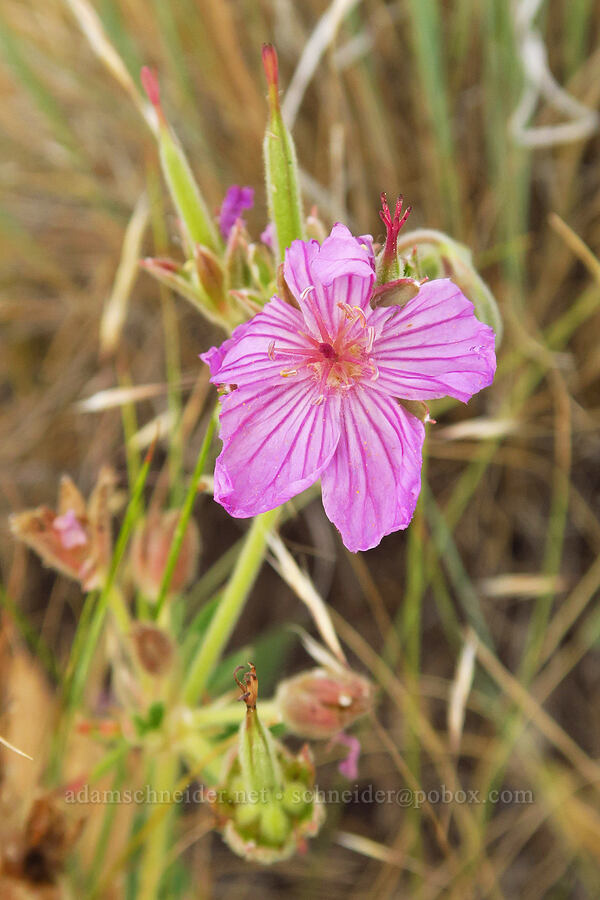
(349, 766)
(70, 530)
(317, 390)
(236, 200)
(268, 236)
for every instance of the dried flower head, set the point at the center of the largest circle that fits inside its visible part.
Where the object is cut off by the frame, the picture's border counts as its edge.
(75, 540)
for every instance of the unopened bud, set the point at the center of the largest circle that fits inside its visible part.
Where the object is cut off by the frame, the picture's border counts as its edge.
(210, 275)
(319, 703)
(150, 550)
(154, 648)
(281, 167)
(184, 190)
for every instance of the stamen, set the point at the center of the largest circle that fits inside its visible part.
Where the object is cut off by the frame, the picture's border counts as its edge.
(307, 291)
(354, 313)
(286, 373)
(318, 400)
(370, 338)
(375, 371)
(271, 350)
(359, 314)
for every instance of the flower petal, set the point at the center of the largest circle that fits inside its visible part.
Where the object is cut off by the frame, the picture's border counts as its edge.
(276, 442)
(244, 358)
(434, 346)
(341, 270)
(371, 486)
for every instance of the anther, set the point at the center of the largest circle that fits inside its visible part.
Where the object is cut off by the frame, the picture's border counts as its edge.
(285, 373)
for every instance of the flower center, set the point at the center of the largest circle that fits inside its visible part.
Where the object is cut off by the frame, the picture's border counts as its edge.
(327, 351)
(335, 364)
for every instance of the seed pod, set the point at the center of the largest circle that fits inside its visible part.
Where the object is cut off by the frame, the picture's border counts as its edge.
(266, 805)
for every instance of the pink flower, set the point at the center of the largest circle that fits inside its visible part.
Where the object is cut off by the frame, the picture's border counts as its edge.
(317, 390)
(349, 766)
(70, 530)
(236, 200)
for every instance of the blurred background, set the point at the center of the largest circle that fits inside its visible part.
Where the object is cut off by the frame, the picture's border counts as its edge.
(482, 114)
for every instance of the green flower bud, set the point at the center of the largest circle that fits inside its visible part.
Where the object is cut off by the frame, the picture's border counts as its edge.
(185, 193)
(281, 168)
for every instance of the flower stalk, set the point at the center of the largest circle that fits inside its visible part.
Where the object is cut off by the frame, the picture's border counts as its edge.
(231, 606)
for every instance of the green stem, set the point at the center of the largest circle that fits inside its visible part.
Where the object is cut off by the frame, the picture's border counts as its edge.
(92, 619)
(231, 606)
(184, 517)
(163, 779)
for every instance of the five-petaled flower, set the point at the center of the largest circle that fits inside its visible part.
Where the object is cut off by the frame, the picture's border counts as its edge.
(317, 390)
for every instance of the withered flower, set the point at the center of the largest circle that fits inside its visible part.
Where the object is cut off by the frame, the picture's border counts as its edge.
(76, 540)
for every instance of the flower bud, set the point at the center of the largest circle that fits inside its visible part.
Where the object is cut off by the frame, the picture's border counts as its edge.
(266, 806)
(436, 255)
(150, 550)
(210, 275)
(185, 193)
(320, 703)
(281, 168)
(154, 648)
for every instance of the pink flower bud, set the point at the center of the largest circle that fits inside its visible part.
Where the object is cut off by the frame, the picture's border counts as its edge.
(319, 704)
(150, 550)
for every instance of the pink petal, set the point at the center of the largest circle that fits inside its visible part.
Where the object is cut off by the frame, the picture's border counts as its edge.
(321, 277)
(268, 236)
(371, 486)
(349, 766)
(276, 442)
(70, 530)
(435, 347)
(244, 358)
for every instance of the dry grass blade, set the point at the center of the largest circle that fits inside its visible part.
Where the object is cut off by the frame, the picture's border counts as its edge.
(14, 749)
(115, 310)
(306, 591)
